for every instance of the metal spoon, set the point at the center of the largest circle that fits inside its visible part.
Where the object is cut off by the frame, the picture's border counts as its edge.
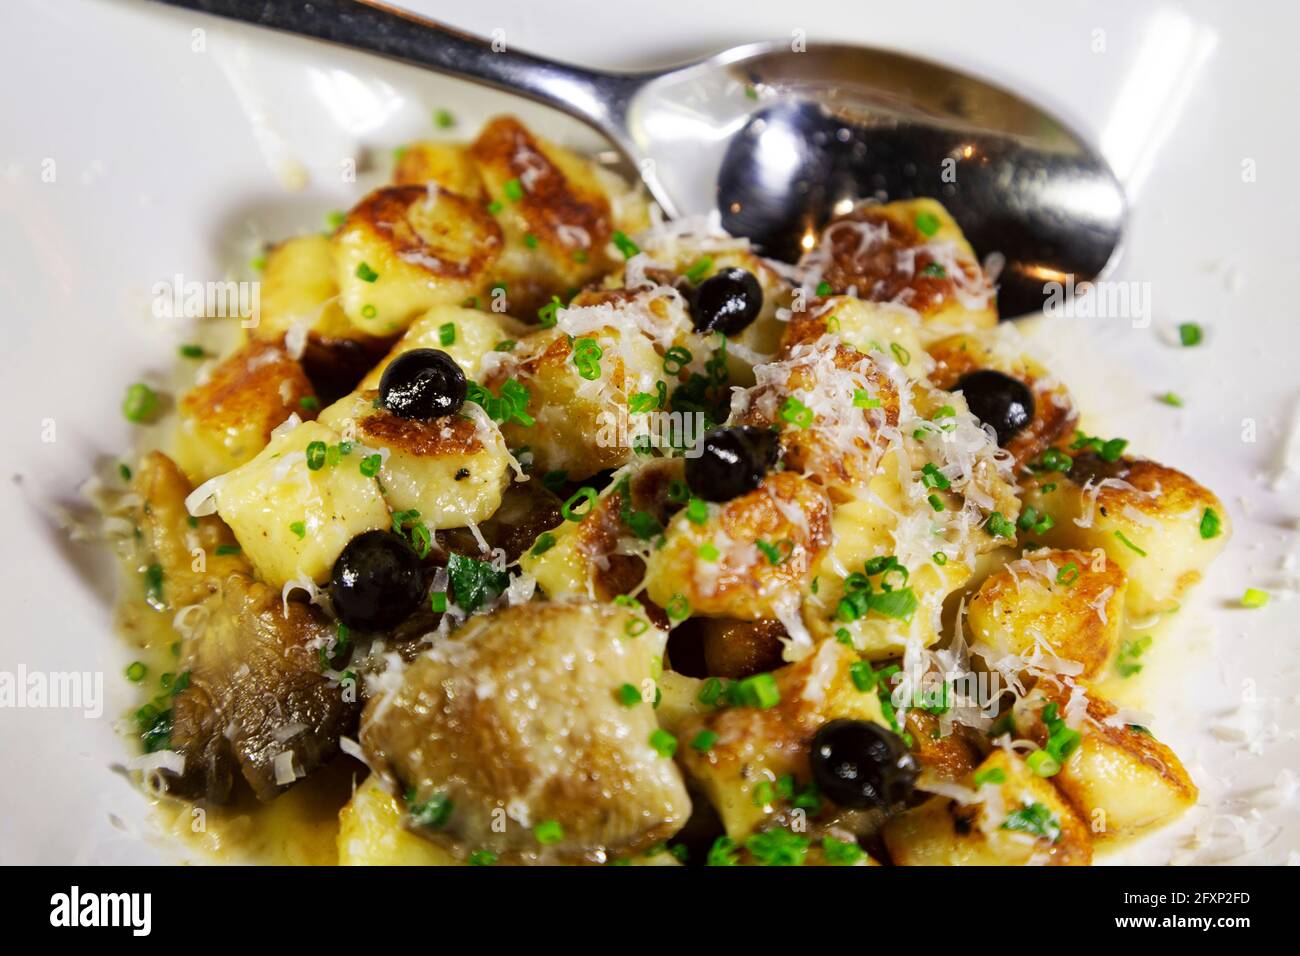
(778, 140)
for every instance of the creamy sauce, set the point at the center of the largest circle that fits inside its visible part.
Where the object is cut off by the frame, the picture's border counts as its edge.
(298, 828)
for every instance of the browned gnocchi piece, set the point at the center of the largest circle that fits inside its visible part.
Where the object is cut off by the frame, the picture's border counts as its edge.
(909, 253)
(749, 559)
(228, 418)
(1150, 519)
(1051, 609)
(1013, 818)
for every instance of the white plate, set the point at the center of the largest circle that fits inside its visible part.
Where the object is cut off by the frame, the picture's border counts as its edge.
(169, 152)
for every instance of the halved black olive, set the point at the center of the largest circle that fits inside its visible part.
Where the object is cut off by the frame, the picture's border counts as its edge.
(731, 463)
(861, 765)
(376, 582)
(423, 384)
(727, 302)
(999, 401)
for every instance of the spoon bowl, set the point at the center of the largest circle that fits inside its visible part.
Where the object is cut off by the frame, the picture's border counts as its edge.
(777, 140)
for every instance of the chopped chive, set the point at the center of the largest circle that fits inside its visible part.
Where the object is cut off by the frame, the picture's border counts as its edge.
(932, 477)
(316, 455)
(927, 223)
(193, 351)
(1043, 764)
(663, 743)
(443, 119)
(703, 741)
(625, 245)
(1170, 398)
(999, 526)
(140, 403)
(796, 413)
(299, 528)
(570, 508)
(772, 552)
(370, 465)
(1126, 661)
(365, 273)
(433, 813)
(992, 775)
(548, 832)
(514, 190)
(1189, 334)
(447, 333)
(1129, 544)
(1210, 524)
(758, 690)
(862, 675)
(676, 359)
(697, 511)
(1254, 598)
(545, 541)
(546, 315)
(698, 269)
(628, 695)
(136, 671)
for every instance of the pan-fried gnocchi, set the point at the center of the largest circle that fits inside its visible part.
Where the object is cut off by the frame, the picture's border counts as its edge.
(580, 537)
(452, 471)
(1063, 608)
(293, 509)
(228, 418)
(405, 249)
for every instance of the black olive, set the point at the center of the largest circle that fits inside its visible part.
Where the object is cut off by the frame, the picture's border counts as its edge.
(731, 463)
(861, 765)
(727, 302)
(997, 400)
(423, 384)
(376, 582)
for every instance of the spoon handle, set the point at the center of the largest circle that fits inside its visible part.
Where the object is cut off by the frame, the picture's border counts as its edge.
(598, 98)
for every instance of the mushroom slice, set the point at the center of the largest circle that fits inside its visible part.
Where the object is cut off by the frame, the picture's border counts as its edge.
(256, 700)
(513, 736)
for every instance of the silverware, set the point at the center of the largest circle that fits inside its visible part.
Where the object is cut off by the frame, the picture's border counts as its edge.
(778, 138)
